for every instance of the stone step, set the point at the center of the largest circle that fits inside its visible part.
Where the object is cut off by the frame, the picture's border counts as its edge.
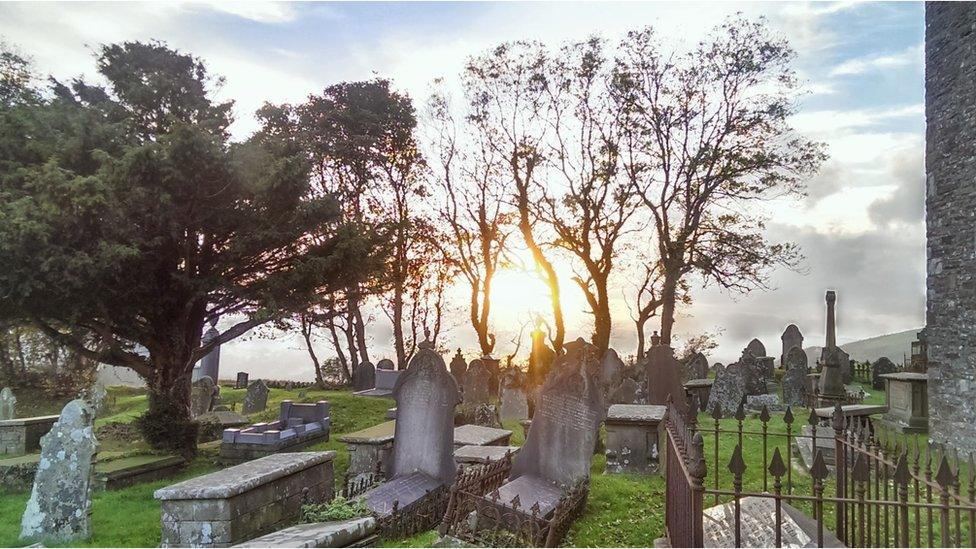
(318, 534)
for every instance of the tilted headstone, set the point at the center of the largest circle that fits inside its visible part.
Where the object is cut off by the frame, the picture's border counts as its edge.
(566, 423)
(696, 367)
(426, 396)
(756, 348)
(728, 390)
(59, 508)
(201, 396)
(365, 377)
(256, 399)
(791, 338)
(883, 365)
(458, 366)
(8, 404)
(385, 364)
(477, 381)
(242, 380)
(663, 374)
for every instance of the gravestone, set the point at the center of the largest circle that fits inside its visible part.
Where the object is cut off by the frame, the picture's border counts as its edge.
(515, 405)
(831, 376)
(423, 449)
(757, 525)
(59, 508)
(696, 367)
(795, 381)
(242, 380)
(756, 348)
(385, 364)
(256, 399)
(728, 390)
(881, 366)
(612, 369)
(663, 374)
(365, 377)
(624, 392)
(772, 402)
(796, 358)
(96, 396)
(752, 373)
(210, 365)
(201, 396)
(476, 384)
(540, 359)
(8, 404)
(791, 338)
(565, 426)
(458, 366)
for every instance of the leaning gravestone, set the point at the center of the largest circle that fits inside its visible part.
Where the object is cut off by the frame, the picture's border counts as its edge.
(95, 396)
(728, 390)
(59, 508)
(477, 381)
(256, 399)
(458, 366)
(882, 366)
(611, 369)
(8, 404)
(365, 377)
(201, 396)
(696, 367)
(385, 364)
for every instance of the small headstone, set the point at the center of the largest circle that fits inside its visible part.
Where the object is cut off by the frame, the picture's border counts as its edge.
(756, 348)
(514, 403)
(256, 399)
(791, 338)
(242, 380)
(752, 372)
(458, 366)
(201, 396)
(696, 367)
(477, 381)
(365, 376)
(59, 508)
(385, 364)
(728, 390)
(881, 366)
(795, 380)
(8, 404)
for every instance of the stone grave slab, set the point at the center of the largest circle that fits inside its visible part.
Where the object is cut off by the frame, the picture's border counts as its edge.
(701, 389)
(477, 435)
(479, 455)
(405, 489)
(852, 410)
(825, 443)
(127, 471)
(633, 438)
(23, 436)
(342, 533)
(771, 401)
(391, 413)
(758, 525)
(531, 490)
(368, 447)
(299, 425)
(907, 398)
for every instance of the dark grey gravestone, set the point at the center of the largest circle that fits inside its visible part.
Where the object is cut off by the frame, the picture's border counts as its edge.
(365, 377)
(242, 380)
(256, 399)
(385, 364)
(566, 421)
(791, 338)
(59, 508)
(831, 375)
(756, 348)
(882, 366)
(476, 384)
(201, 396)
(611, 370)
(663, 374)
(426, 396)
(796, 358)
(458, 366)
(753, 373)
(795, 380)
(728, 390)
(696, 367)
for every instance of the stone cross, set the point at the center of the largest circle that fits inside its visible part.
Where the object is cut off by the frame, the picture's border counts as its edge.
(256, 399)
(59, 508)
(8, 404)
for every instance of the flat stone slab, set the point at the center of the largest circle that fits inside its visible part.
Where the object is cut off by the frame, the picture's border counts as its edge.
(906, 376)
(377, 434)
(699, 383)
(241, 478)
(531, 490)
(758, 525)
(317, 534)
(638, 414)
(226, 418)
(853, 410)
(483, 454)
(405, 490)
(477, 435)
(17, 422)
(374, 393)
(126, 471)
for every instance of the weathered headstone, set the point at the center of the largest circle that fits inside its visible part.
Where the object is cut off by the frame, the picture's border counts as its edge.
(728, 391)
(756, 348)
(59, 508)
(624, 392)
(8, 404)
(757, 525)
(242, 380)
(515, 405)
(883, 365)
(365, 377)
(663, 374)
(771, 401)
(696, 367)
(201, 396)
(256, 399)
(96, 396)
(611, 370)
(753, 373)
(458, 366)
(796, 358)
(795, 381)
(791, 338)
(476, 383)
(831, 375)
(565, 425)
(385, 364)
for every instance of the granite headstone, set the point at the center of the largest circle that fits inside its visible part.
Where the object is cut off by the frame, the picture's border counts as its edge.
(256, 399)
(728, 390)
(365, 377)
(476, 384)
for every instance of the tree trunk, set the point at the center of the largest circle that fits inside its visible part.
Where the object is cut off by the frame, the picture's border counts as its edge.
(360, 330)
(307, 334)
(669, 292)
(640, 322)
(398, 344)
(167, 424)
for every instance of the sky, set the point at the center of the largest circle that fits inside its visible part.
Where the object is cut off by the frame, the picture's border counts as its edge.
(860, 229)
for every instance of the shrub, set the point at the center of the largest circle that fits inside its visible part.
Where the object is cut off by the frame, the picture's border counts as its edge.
(338, 509)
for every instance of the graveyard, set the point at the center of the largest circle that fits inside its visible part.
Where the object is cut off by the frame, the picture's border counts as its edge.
(437, 275)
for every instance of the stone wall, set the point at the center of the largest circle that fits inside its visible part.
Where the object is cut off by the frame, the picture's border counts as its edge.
(950, 105)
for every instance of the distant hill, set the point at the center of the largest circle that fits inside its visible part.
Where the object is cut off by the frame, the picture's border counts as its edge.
(895, 346)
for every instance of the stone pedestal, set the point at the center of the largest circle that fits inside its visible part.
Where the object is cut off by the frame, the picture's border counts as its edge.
(23, 435)
(906, 394)
(369, 447)
(634, 438)
(699, 388)
(468, 456)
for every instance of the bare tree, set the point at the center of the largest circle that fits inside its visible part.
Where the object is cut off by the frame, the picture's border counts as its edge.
(706, 138)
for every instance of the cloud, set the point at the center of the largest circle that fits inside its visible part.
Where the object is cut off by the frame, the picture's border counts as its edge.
(833, 122)
(261, 12)
(906, 204)
(912, 56)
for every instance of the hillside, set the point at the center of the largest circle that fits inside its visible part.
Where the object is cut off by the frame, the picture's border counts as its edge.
(895, 346)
